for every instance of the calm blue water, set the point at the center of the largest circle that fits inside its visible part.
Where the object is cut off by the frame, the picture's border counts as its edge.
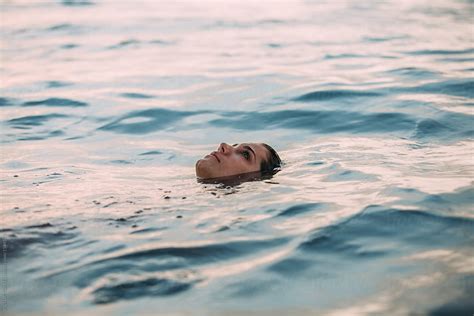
(106, 105)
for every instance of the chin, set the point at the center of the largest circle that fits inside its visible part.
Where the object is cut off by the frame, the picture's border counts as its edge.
(203, 169)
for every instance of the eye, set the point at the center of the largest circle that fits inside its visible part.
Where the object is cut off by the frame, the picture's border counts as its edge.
(246, 155)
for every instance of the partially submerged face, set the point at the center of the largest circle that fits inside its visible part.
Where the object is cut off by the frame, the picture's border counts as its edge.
(233, 160)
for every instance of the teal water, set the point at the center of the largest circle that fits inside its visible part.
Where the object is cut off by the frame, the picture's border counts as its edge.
(106, 105)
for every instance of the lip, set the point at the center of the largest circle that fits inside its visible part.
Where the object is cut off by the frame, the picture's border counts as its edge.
(214, 154)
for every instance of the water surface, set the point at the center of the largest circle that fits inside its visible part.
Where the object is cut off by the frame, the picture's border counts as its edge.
(106, 105)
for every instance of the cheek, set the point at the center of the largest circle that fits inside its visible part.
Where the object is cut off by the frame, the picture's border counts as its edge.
(239, 165)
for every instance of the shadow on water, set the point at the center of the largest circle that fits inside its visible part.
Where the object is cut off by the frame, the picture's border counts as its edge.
(233, 181)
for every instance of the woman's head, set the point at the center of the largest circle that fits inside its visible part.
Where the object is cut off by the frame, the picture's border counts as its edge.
(238, 159)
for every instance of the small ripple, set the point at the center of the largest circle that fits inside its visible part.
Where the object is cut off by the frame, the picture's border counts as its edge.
(152, 152)
(320, 121)
(76, 3)
(414, 72)
(6, 101)
(57, 84)
(127, 290)
(155, 119)
(441, 52)
(351, 175)
(333, 94)
(461, 88)
(126, 43)
(22, 239)
(34, 120)
(430, 127)
(62, 27)
(56, 102)
(69, 46)
(132, 95)
(148, 230)
(390, 231)
(344, 56)
(300, 209)
(290, 266)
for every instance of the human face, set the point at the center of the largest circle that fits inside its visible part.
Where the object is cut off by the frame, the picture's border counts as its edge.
(231, 160)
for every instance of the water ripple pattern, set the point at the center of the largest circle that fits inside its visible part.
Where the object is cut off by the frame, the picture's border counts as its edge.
(106, 106)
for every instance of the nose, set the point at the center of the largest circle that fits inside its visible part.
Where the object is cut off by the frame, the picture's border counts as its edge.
(225, 148)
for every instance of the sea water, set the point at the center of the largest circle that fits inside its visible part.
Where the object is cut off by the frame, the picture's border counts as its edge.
(106, 106)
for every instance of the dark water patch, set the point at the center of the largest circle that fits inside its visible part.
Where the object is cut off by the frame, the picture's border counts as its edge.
(244, 25)
(402, 229)
(69, 46)
(429, 127)
(148, 230)
(155, 119)
(113, 249)
(43, 136)
(270, 21)
(462, 198)
(131, 95)
(333, 94)
(274, 45)
(161, 42)
(351, 175)
(457, 60)
(57, 84)
(122, 44)
(414, 72)
(60, 102)
(448, 126)
(460, 88)
(461, 305)
(249, 289)
(6, 101)
(301, 209)
(34, 120)
(129, 290)
(207, 253)
(45, 225)
(315, 163)
(320, 121)
(440, 52)
(160, 259)
(121, 162)
(76, 3)
(291, 266)
(382, 39)
(24, 239)
(152, 152)
(62, 27)
(343, 56)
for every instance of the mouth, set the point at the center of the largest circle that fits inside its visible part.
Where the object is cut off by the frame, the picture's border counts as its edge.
(214, 154)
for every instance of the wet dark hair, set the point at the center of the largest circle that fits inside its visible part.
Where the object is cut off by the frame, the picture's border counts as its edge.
(273, 162)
